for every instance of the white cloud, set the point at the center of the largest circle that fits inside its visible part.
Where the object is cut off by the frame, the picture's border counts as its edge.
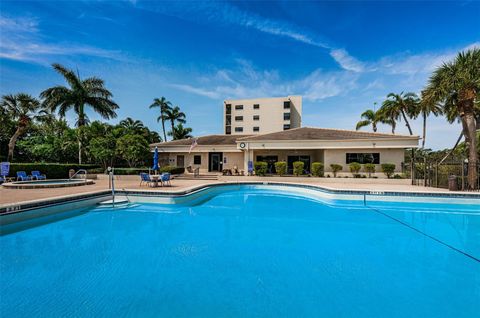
(347, 61)
(251, 82)
(21, 40)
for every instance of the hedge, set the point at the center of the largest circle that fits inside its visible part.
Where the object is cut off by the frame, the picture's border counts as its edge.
(281, 168)
(137, 171)
(260, 168)
(369, 168)
(388, 169)
(298, 167)
(51, 170)
(336, 168)
(317, 169)
(355, 168)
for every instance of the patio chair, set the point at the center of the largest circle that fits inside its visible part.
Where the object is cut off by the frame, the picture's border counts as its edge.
(38, 176)
(2, 179)
(22, 176)
(145, 178)
(235, 171)
(165, 178)
(4, 171)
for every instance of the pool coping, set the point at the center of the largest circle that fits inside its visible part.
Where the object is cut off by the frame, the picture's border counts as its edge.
(34, 204)
(32, 184)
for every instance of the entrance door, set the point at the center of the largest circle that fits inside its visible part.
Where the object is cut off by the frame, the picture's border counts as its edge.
(304, 159)
(215, 161)
(180, 161)
(270, 160)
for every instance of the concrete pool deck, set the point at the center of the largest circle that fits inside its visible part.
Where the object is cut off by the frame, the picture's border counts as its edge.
(16, 196)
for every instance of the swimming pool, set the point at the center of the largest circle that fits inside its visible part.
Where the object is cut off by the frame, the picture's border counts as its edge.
(246, 251)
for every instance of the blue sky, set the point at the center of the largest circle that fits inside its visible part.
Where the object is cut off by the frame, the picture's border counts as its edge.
(341, 56)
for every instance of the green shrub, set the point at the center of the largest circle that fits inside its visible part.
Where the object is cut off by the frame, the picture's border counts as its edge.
(317, 169)
(129, 171)
(260, 168)
(369, 168)
(281, 167)
(51, 170)
(398, 176)
(388, 169)
(335, 168)
(355, 168)
(172, 170)
(298, 167)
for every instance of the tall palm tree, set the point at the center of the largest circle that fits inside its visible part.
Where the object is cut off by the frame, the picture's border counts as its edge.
(398, 106)
(80, 94)
(371, 117)
(426, 108)
(22, 108)
(164, 105)
(132, 125)
(175, 115)
(180, 132)
(456, 84)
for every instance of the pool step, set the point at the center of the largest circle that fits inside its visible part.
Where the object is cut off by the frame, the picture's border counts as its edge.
(119, 202)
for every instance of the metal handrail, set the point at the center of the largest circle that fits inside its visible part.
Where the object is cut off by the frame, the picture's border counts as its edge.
(79, 170)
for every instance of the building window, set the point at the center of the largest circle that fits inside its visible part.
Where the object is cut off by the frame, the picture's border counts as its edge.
(197, 160)
(256, 106)
(228, 130)
(256, 128)
(238, 129)
(286, 105)
(363, 158)
(286, 127)
(238, 107)
(286, 116)
(256, 117)
(228, 120)
(238, 118)
(228, 109)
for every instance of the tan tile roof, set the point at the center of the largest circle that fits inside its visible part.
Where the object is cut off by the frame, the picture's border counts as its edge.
(209, 140)
(309, 133)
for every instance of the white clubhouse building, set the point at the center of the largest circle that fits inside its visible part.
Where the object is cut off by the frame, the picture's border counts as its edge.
(214, 153)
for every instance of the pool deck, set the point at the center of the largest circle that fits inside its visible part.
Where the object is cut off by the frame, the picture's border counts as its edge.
(16, 196)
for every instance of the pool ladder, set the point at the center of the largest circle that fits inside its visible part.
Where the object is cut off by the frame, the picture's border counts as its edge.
(80, 170)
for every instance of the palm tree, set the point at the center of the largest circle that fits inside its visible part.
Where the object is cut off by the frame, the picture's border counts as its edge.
(164, 106)
(427, 108)
(132, 125)
(80, 93)
(175, 115)
(22, 108)
(398, 106)
(371, 117)
(180, 132)
(456, 84)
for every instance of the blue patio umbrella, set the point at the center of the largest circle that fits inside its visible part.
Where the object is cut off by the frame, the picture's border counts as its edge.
(155, 159)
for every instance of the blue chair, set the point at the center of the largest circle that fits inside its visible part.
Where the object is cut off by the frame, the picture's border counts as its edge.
(145, 178)
(4, 170)
(165, 178)
(2, 179)
(37, 175)
(22, 176)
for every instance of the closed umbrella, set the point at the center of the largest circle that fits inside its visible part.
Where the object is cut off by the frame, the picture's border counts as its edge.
(155, 159)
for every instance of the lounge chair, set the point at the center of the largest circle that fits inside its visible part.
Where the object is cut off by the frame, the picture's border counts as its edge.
(165, 178)
(22, 176)
(145, 178)
(195, 171)
(37, 175)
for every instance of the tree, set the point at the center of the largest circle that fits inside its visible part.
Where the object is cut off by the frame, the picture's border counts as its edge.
(370, 117)
(164, 105)
(80, 93)
(175, 115)
(426, 108)
(180, 132)
(132, 148)
(102, 149)
(398, 106)
(456, 84)
(23, 109)
(131, 125)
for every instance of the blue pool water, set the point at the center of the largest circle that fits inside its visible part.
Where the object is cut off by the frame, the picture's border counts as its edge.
(245, 253)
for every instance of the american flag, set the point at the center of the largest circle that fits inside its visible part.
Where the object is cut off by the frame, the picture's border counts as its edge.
(193, 145)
